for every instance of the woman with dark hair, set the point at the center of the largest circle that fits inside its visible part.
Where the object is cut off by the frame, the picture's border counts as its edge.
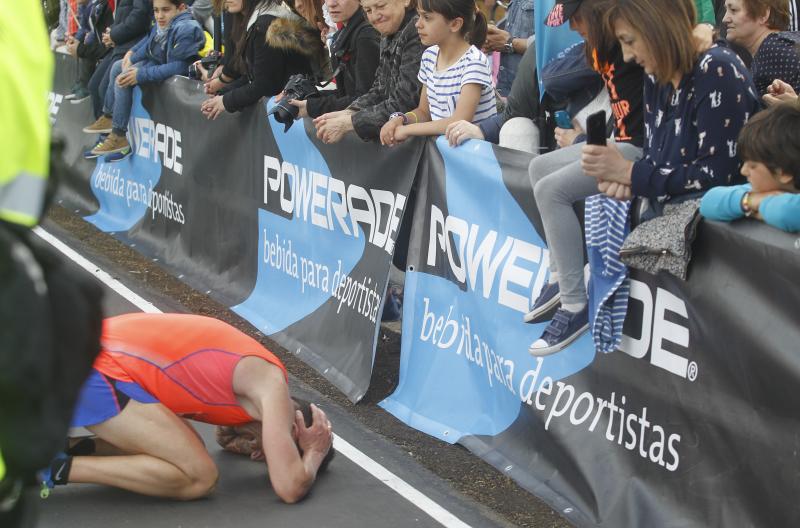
(268, 43)
(760, 26)
(396, 87)
(354, 59)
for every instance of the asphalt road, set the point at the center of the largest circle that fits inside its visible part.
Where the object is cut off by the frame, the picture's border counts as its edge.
(371, 482)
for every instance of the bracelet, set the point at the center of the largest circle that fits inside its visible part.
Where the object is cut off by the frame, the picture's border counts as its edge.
(401, 115)
(746, 208)
(416, 119)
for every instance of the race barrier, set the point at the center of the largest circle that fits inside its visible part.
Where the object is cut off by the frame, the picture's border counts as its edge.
(693, 423)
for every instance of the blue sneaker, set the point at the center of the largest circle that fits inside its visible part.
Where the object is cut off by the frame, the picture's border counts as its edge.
(55, 473)
(117, 156)
(89, 153)
(565, 328)
(545, 305)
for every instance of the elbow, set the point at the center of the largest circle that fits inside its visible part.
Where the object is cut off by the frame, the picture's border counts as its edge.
(292, 494)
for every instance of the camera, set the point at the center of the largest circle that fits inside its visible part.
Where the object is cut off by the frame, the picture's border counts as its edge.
(300, 87)
(209, 62)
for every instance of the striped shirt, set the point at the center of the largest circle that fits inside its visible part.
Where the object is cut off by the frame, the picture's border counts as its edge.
(444, 86)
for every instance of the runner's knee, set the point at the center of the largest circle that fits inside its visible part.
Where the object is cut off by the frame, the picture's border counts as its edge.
(202, 481)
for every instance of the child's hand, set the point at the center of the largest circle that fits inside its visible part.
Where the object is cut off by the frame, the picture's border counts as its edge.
(566, 136)
(126, 60)
(401, 134)
(127, 78)
(107, 38)
(388, 131)
(213, 107)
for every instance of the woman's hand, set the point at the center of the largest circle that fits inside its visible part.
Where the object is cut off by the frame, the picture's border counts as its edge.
(388, 130)
(460, 131)
(212, 107)
(301, 106)
(332, 127)
(606, 163)
(615, 190)
(127, 78)
(703, 37)
(779, 92)
(566, 136)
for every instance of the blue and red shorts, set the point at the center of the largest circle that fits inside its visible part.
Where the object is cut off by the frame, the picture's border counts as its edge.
(102, 398)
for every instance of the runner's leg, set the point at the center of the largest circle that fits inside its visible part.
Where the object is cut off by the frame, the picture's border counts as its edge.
(171, 461)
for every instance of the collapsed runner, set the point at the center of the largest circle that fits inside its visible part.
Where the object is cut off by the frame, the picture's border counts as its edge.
(153, 373)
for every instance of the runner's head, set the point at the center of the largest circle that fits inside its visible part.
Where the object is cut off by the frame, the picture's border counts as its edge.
(305, 407)
(246, 439)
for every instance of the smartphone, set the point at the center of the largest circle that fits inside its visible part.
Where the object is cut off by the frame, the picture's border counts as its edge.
(562, 119)
(596, 129)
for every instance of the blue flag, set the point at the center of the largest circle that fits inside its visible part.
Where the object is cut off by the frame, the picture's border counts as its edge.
(550, 41)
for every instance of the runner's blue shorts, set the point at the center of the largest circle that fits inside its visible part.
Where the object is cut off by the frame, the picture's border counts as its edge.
(102, 398)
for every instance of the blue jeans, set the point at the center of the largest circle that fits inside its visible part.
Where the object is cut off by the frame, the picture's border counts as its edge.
(118, 101)
(98, 83)
(519, 23)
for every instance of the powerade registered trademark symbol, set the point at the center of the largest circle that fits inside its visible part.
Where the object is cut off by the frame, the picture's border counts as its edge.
(691, 371)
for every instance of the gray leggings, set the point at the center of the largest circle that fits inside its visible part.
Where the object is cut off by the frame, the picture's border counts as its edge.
(558, 182)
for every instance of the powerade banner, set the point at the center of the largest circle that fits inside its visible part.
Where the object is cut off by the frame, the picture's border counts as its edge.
(693, 423)
(294, 235)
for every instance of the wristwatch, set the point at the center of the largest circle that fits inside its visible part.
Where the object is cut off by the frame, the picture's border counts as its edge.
(508, 47)
(400, 115)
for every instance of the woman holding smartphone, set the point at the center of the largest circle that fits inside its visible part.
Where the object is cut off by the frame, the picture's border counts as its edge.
(559, 181)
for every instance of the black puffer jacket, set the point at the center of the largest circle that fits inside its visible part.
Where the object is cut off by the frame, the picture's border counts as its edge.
(396, 88)
(356, 51)
(100, 17)
(279, 44)
(132, 20)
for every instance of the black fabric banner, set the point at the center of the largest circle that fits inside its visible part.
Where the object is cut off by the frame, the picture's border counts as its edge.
(693, 423)
(294, 235)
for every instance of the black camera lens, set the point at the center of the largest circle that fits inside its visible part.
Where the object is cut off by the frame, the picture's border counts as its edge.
(284, 112)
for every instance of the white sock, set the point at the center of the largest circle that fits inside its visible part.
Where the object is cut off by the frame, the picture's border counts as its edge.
(573, 308)
(553, 277)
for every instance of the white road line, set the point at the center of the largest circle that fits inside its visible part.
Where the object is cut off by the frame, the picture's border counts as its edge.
(401, 487)
(102, 276)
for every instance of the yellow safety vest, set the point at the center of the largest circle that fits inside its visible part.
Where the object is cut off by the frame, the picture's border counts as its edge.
(26, 77)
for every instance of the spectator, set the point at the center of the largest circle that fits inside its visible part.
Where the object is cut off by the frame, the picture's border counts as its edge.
(168, 50)
(567, 78)
(511, 41)
(268, 44)
(87, 46)
(559, 181)
(396, 86)
(131, 23)
(758, 26)
(355, 53)
(696, 102)
(455, 75)
(770, 146)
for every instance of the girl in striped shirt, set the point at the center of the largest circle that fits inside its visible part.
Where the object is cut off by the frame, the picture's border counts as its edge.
(455, 74)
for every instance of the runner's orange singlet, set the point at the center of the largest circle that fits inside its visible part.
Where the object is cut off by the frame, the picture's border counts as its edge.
(185, 361)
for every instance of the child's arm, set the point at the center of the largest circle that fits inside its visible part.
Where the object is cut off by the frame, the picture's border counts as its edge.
(465, 109)
(419, 114)
(184, 51)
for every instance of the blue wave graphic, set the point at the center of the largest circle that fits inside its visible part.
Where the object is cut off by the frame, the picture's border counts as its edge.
(280, 298)
(122, 188)
(442, 391)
